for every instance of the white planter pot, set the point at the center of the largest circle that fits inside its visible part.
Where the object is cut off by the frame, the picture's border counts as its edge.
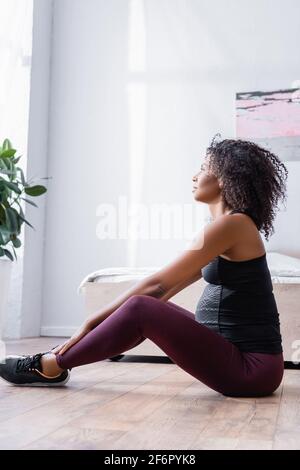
(5, 277)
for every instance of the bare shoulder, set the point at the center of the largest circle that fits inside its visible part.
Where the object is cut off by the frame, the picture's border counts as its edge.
(241, 218)
(243, 223)
(218, 235)
(248, 242)
(226, 224)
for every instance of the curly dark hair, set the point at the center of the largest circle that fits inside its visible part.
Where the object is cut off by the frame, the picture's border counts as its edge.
(254, 179)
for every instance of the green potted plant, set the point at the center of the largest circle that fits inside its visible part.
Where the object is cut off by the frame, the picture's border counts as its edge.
(13, 189)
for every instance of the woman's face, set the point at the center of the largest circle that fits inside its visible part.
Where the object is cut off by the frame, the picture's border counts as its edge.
(206, 186)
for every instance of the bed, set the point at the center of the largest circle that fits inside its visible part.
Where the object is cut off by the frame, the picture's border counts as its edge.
(102, 286)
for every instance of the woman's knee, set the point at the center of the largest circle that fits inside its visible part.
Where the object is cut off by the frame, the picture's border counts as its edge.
(141, 306)
(139, 300)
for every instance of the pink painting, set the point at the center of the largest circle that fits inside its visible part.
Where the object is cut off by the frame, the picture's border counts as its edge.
(271, 119)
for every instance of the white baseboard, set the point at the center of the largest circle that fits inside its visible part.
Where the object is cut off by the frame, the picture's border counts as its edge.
(64, 331)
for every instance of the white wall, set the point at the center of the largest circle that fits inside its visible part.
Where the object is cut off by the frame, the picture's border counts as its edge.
(138, 88)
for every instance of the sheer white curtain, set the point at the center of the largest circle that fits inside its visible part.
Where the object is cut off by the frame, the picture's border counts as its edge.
(15, 60)
(15, 65)
(15, 52)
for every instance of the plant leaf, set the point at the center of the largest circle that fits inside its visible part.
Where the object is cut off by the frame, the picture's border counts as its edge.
(17, 242)
(22, 176)
(15, 160)
(17, 217)
(13, 186)
(12, 168)
(29, 202)
(26, 221)
(4, 163)
(6, 144)
(1, 252)
(14, 253)
(5, 234)
(8, 153)
(36, 190)
(11, 219)
(8, 254)
(20, 215)
(6, 172)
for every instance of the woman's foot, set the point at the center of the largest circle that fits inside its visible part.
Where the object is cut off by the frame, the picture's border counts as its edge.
(50, 366)
(36, 370)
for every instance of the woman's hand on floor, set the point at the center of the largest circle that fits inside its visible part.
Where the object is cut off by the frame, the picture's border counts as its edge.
(80, 333)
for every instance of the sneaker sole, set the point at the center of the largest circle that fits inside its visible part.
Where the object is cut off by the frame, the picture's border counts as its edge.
(40, 384)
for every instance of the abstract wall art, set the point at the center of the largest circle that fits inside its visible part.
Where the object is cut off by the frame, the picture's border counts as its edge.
(271, 119)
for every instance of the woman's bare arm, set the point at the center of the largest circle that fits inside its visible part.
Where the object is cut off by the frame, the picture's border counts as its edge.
(179, 287)
(185, 269)
(148, 286)
(215, 238)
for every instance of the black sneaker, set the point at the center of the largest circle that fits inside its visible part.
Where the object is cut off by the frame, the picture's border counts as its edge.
(27, 370)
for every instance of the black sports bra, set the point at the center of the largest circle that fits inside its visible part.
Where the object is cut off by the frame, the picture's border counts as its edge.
(238, 302)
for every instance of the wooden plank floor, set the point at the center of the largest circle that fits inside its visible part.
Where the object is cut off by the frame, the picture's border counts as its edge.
(131, 405)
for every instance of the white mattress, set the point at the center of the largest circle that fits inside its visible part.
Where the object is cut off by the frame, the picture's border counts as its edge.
(283, 265)
(283, 269)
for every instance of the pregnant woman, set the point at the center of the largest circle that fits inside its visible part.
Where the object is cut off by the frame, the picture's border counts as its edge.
(233, 342)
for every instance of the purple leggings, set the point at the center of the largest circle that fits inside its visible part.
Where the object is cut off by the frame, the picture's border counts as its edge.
(203, 353)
